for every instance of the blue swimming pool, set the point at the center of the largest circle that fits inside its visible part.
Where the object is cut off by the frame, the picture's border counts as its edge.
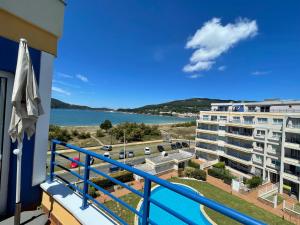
(178, 203)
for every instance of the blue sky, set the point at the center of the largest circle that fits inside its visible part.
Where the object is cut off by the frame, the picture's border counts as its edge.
(132, 53)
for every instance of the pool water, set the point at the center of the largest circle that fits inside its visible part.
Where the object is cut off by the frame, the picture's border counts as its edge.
(178, 203)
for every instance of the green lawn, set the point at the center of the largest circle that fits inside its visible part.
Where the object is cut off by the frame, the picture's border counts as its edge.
(211, 192)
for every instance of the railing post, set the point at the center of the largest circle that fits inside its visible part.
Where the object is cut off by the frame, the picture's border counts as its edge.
(146, 202)
(53, 148)
(85, 183)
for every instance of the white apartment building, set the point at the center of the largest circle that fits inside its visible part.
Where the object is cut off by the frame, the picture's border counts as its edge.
(255, 138)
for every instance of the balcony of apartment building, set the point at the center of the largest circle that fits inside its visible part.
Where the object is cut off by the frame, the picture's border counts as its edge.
(246, 121)
(292, 141)
(258, 147)
(209, 119)
(207, 138)
(292, 156)
(273, 150)
(273, 163)
(293, 125)
(239, 157)
(275, 136)
(237, 166)
(70, 203)
(207, 128)
(260, 134)
(291, 172)
(257, 159)
(240, 145)
(240, 133)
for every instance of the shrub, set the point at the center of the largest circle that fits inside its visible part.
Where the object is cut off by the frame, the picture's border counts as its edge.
(84, 135)
(93, 192)
(220, 165)
(185, 124)
(193, 164)
(99, 133)
(199, 174)
(188, 171)
(254, 182)
(123, 176)
(75, 133)
(56, 132)
(222, 174)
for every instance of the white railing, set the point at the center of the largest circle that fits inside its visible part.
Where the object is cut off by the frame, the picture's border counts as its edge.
(268, 189)
(291, 207)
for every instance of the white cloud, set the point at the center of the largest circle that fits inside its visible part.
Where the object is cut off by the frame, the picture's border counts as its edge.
(82, 78)
(64, 75)
(222, 68)
(65, 84)
(258, 73)
(60, 91)
(214, 39)
(195, 76)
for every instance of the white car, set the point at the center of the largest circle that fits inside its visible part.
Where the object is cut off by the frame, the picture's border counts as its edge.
(147, 151)
(106, 154)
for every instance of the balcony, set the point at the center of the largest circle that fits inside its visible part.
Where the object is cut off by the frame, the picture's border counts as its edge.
(257, 160)
(291, 160)
(291, 176)
(241, 123)
(207, 131)
(292, 144)
(273, 166)
(239, 147)
(238, 135)
(207, 140)
(78, 205)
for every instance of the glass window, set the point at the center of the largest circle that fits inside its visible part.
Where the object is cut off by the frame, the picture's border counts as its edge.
(277, 121)
(262, 120)
(205, 117)
(260, 132)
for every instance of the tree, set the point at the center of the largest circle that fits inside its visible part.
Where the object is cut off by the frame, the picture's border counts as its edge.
(106, 125)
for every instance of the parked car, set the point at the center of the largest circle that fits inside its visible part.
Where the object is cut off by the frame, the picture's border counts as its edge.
(122, 155)
(130, 154)
(106, 148)
(160, 148)
(147, 151)
(114, 168)
(173, 146)
(178, 145)
(106, 154)
(185, 145)
(74, 164)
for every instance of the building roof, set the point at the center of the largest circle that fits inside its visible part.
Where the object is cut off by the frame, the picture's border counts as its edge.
(172, 157)
(266, 102)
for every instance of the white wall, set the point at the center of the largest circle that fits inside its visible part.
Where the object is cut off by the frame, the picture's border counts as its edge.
(42, 126)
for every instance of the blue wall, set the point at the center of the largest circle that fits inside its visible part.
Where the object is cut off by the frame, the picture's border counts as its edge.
(30, 196)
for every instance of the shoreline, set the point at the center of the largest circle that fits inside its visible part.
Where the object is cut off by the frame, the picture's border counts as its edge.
(89, 126)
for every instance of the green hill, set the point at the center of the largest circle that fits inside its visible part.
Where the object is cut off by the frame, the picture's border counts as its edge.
(192, 105)
(57, 104)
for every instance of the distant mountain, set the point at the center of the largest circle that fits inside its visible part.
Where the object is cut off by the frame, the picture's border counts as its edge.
(192, 105)
(57, 104)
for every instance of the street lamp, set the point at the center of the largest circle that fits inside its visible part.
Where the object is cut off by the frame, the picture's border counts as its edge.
(124, 142)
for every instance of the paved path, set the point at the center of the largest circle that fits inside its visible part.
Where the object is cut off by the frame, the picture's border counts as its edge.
(99, 141)
(252, 198)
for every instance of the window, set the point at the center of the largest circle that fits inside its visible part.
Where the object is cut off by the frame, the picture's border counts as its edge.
(276, 135)
(223, 118)
(205, 117)
(277, 121)
(260, 132)
(262, 120)
(260, 145)
(236, 119)
(213, 118)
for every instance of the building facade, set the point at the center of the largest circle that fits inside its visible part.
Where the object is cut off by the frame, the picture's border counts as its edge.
(255, 138)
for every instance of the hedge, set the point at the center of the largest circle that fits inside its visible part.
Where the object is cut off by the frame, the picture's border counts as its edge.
(193, 164)
(254, 182)
(219, 165)
(195, 173)
(221, 174)
(123, 176)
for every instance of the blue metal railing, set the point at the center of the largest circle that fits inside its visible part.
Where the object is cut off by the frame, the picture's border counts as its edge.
(143, 214)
